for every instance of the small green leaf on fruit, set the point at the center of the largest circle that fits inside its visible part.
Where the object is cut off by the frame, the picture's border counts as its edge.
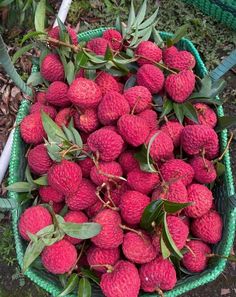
(71, 285)
(85, 289)
(81, 231)
(151, 213)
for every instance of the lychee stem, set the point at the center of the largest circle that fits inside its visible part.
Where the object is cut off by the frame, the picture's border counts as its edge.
(75, 48)
(226, 148)
(203, 158)
(160, 292)
(105, 204)
(80, 254)
(135, 104)
(221, 256)
(132, 230)
(107, 266)
(109, 194)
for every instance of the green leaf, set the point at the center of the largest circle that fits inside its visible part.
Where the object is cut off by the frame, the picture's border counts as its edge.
(167, 107)
(72, 283)
(151, 167)
(8, 204)
(53, 150)
(158, 101)
(43, 54)
(42, 181)
(131, 82)
(46, 231)
(150, 20)
(70, 73)
(52, 129)
(35, 79)
(131, 18)
(21, 52)
(40, 14)
(225, 122)
(157, 37)
(164, 250)
(94, 58)
(77, 137)
(28, 176)
(63, 279)
(5, 3)
(85, 289)
(30, 35)
(179, 111)
(151, 213)
(145, 37)
(81, 59)
(62, 29)
(21, 187)
(180, 33)
(215, 101)
(217, 87)
(141, 14)
(190, 112)
(90, 74)
(220, 169)
(81, 231)
(68, 133)
(34, 249)
(108, 54)
(90, 274)
(173, 207)
(118, 24)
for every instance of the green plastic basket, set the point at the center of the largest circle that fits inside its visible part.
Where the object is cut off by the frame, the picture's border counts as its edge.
(223, 11)
(50, 283)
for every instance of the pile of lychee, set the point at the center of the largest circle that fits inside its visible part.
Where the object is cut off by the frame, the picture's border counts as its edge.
(108, 186)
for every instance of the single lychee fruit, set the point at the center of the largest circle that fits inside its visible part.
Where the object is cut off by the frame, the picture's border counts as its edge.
(148, 50)
(57, 94)
(59, 257)
(40, 97)
(105, 171)
(55, 33)
(98, 45)
(114, 37)
(195, 260)
(77, 217)
(201, 198)
(142, 181)
(39, 160)
(111, 235)
(158, 274)
(180, 86)
(150, 116)
(133, 129)
(197, 139)
(31, 129)
(84, 197)
(208, 227)
(65, 177)
(150, 77)
(122, 280)
(206, 115)
(52, 68)
(38, 107)
(48, 194)
(87, 121)
(33, 220)
(128, 162)
(138, 248)
(132, 205)
(177, 170)
(204, 170)
(173, 129)
(85, 93)
(106, 83)
(108, 144)
(64, 116)
(86, 165)
(97, 257)
(139, 98)
(112, 107)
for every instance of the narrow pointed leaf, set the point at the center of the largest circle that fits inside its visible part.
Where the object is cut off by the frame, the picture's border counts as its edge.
(21, 187)
(62, 29)
(72, 283)
(21, 52)
(150, 20)
(68, 133)
(141, 13)
(179, 112)
(164, 250)
(85, 289)
(151, 167)
(8, 204)
(81, 231)
(40, 14)
(131, 18)
(32, 252)
(108, 54)
(31, 35)
(90, 274)
(70, 72)
(157, 37)
(41, 181)
(28, 176)
(77, 137)
(180, 33)
(167, 107)
(220, 169)
(217, 87)
(190, 112)
(118, 24)
(52, 129)
(151, 213)
(131, 82)
(81, 59)
(173, 207)
(225, 122)
(35, 79)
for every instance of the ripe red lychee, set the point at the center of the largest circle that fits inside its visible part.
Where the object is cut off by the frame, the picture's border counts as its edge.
(133, 129)
(128, 162)
(98, 45)
(87, 121)
(40, 97)
(208, 227)
(122, 280)
(98, 256)
(177, 169)
(173, 129)
(114, 37)
(86, 165)
(48, 194)
(158, 274)
(201, 198)
(148, 50)
(150, 116)
(150, 77)
(31, 129)
(180, 86)
(84, 93)
(142, 181)
(108, 144)
(204, 170)
(64, 116)
(55, 33)
(38, 107)
(33, 220)
(195, 260)
(39, 160)
(57, 94)
(84, 197)
(52, 68)
(106, 83)
(77, 217)
(59, 257)
(206, 115)
(111, 235)
(138, 248)
(197, 139)
(65, 177)
(132, 205)
(139, 98)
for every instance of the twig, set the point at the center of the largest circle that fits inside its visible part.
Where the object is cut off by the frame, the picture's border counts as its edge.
(227, 147)
(75, 48)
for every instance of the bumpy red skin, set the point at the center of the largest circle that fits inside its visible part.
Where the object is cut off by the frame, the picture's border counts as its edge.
(111, 168)
(100, 256)
(59, 257)
(142, 181)
(149, 50)
(128, 162)
(122, 281)
(196, 259)
(138, 249)
(206, 115)
(65, 177)
(111, 235)
(180, 86)
(84, 197)
(38, 107)
(208, 227)
(177, 169)
(162, 146)
(112, 107)
(84, 93)
(77, 217)
(202, 200)
(175, 192)
(57, 94)
(31, 129)
(87, 121)
(196, 138)
(86, 165)
(64, 116)
(52, 68)
(98, 45)
(115, 194)
(114, 37)
(40, 97)
(150, 77)
(204, 170)
(39, 160)
(150, 116)
(107, 143)
(132, 205)
(157, 274)
(48, 194)
(106, 83)
(139, 98)
(33, 220)
(180, 60)
(173, 129)
(54, 33)
(133, 129)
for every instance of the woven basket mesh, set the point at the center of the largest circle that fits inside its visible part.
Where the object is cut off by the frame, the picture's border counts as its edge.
(222, 191)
